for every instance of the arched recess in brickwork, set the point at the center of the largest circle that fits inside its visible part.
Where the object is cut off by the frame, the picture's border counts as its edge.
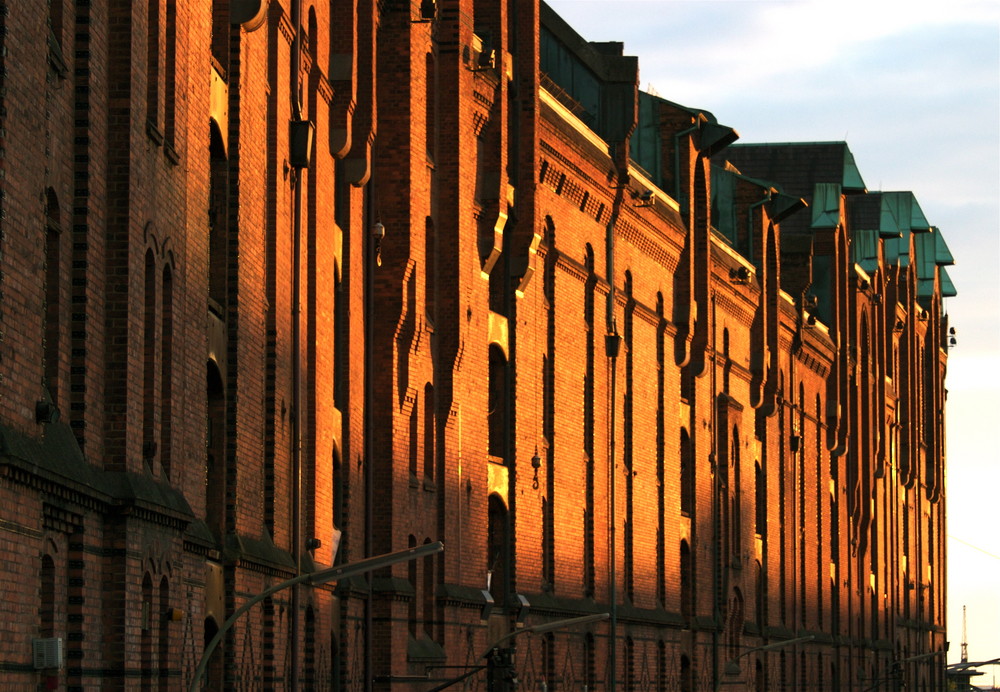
(53, 301)
(153, 45)
(149, 359)
(734, 629)
(687, 675)
(429, 432)
(497, 544)
(687, 474)
(170, 79)
(215, 453)
(309, 664)
(497, 405)
(163, 639)
(687, 583)
(428, 591)
(47, 597)
(146, 619)
(218, 214)
(214, 674)
(412, 577)
(339, 510)
(735, 494)
(166, 368)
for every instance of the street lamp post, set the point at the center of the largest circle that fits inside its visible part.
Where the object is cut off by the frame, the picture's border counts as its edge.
(494, 655)
(732, 666)
(897, 668)
(314, 578)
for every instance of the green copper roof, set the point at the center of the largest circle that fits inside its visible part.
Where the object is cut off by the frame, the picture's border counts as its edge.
(947, 287)
(826, 205)
(852, 181)
(889, 224)
(944, 256)
(865, 244)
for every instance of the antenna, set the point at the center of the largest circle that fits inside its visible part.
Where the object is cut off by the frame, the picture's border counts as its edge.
(965, 639)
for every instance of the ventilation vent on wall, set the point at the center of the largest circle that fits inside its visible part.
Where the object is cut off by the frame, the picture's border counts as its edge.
(47, 653)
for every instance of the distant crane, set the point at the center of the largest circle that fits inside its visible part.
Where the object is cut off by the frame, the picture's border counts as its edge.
(965, 639)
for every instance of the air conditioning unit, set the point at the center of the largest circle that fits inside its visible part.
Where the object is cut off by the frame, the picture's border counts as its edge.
(47, 653)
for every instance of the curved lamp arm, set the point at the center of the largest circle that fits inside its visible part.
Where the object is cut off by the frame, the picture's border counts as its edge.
(314, 578)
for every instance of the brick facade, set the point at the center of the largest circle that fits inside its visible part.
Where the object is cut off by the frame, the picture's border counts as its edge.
(614, 360)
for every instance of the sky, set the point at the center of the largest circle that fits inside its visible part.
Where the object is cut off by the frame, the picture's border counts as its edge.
(914, 89)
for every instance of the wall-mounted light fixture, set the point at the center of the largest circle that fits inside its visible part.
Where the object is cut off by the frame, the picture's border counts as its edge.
(487, 607)
(536, 463)
(794, 441)
(899, 326)
(739, 275)
(173, 615)
(486, 59)
(46, 412)
(313, 544)
(646, 198)
(428, 12)
(378, 233)
(300, 143)
(522, 607)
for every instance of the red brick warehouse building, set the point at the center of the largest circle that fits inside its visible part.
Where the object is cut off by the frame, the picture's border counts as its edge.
(421, 271)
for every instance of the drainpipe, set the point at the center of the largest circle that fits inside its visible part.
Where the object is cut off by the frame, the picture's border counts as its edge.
(718, 557)
(369, 425)
(612, 343)
(297, 542)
